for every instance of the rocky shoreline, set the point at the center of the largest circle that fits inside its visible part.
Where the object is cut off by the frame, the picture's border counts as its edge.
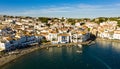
(10, 58)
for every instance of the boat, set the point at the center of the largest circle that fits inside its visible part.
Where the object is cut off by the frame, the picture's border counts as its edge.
(79, 51)
(10, 53)
(79, 45)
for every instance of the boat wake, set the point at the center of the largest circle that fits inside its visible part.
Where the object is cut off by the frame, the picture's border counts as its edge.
(100, 60)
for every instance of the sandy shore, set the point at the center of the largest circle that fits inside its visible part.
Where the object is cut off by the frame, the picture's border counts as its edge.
(6, 59)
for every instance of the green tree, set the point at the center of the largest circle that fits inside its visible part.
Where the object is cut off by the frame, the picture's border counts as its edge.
(72, 21)
(101, 19)
(43, 19)
(118, 23)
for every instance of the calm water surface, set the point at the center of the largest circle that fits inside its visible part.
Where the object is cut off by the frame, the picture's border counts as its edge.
(102, 55)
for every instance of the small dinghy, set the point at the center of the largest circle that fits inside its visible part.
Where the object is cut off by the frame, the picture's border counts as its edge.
(79, 45)
(79, 51)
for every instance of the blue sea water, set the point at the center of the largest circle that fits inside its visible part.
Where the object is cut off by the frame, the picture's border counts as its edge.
(101, 55)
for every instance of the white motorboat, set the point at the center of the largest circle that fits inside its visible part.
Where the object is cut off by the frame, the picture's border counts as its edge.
(79, 45)
(79, 51)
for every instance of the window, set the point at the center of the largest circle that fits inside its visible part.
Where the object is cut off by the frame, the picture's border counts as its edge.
(64, 38)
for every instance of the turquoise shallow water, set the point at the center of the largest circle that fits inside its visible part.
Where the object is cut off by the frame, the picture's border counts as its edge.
(102, 55)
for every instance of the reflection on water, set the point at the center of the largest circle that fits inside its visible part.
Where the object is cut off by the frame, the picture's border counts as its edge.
(50, 49)
(116, 46)
(109, 44)
(104, 44)
(69, 50)
(101, 55)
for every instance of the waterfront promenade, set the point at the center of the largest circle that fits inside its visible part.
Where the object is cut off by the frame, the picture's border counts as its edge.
(10, 58)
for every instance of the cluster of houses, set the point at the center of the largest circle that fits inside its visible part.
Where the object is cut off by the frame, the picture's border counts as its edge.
(109, 30)
(21, 32)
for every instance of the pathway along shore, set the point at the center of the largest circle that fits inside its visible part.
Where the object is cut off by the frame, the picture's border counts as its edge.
(10, 58)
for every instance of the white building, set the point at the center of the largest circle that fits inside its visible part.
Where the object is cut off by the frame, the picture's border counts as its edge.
(53, 37)
(4, 45)
(64, 38)
(116, 34)
(14, 43)
(80, 37)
